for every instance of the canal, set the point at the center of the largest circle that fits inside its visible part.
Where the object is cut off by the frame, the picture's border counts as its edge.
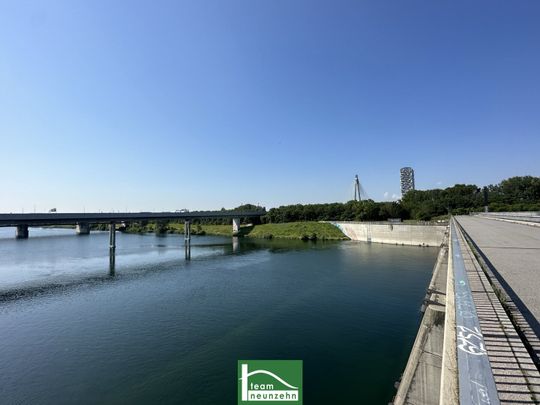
(165, 330)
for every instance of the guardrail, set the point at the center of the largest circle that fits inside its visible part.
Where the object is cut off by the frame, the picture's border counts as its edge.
(475, 376)
(422, 223)
(514, 216)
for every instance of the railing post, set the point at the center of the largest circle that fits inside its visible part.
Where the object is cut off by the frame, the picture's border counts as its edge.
(187, 239)
(112, 247)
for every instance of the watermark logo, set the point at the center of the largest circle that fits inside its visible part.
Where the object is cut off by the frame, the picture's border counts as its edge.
(270, 381)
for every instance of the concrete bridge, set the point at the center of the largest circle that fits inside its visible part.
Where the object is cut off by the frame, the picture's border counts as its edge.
(82, 222)
(479, 339)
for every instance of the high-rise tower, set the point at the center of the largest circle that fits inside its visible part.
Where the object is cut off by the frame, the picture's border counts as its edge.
(407, 180)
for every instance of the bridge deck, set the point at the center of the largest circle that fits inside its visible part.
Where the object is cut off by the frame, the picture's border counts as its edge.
(106, 217)
(516, 377)
(513, 252)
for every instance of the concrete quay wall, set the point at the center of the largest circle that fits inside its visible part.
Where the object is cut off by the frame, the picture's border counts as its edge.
(394, 233)
(421, 381)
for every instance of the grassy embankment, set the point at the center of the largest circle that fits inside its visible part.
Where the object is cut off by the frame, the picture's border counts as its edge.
(297, 230)
(292, 230)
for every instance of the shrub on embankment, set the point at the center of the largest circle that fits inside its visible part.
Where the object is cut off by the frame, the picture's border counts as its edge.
(294, 230)
(297, 230)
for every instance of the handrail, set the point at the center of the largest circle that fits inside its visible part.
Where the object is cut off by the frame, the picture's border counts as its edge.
(475, 376)
(516, 216)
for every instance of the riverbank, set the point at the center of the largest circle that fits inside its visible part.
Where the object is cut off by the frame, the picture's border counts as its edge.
(291, 230)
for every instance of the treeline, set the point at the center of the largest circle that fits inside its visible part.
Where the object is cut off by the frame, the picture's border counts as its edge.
(244, 208)
(367, 210)
(513, 194)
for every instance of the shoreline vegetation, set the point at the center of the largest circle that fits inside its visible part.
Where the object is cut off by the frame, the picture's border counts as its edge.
(307, 221)
(293, 230)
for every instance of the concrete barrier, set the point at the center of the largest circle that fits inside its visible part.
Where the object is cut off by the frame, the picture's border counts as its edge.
(392, 233)
(449, 394)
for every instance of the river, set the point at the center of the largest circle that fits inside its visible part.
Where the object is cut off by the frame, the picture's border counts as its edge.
(161, 329)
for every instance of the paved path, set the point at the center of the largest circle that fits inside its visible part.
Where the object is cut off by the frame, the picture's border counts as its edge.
(514, 252)
(516, 378)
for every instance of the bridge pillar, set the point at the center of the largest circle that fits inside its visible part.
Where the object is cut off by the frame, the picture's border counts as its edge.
(21, 232)
(187, 239)
(235, 226)
(112, 246)
(82, 228)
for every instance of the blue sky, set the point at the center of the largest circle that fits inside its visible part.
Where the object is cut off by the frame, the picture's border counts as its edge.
(161, 105)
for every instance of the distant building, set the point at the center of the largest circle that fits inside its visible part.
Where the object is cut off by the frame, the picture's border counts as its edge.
(407, 179)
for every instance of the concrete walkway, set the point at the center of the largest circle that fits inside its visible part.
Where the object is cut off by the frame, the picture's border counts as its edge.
(516, 377)
(480, 320)
(512, 251)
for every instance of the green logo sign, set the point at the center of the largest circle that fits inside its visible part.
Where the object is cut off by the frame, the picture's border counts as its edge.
(270, 381)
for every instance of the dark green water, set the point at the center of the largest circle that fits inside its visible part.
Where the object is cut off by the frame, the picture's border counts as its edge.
(166, 331)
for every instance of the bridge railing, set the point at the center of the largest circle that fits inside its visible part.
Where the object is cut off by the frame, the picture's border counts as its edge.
(523, 216)
(475, 376)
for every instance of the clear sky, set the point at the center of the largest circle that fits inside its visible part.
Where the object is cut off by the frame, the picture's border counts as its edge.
(162, 105)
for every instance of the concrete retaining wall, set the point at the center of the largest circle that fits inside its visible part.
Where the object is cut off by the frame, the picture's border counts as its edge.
(420, 383)
(399, 234)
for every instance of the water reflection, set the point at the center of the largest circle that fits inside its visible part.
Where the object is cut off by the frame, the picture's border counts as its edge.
(161, 325)
(69, 263)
